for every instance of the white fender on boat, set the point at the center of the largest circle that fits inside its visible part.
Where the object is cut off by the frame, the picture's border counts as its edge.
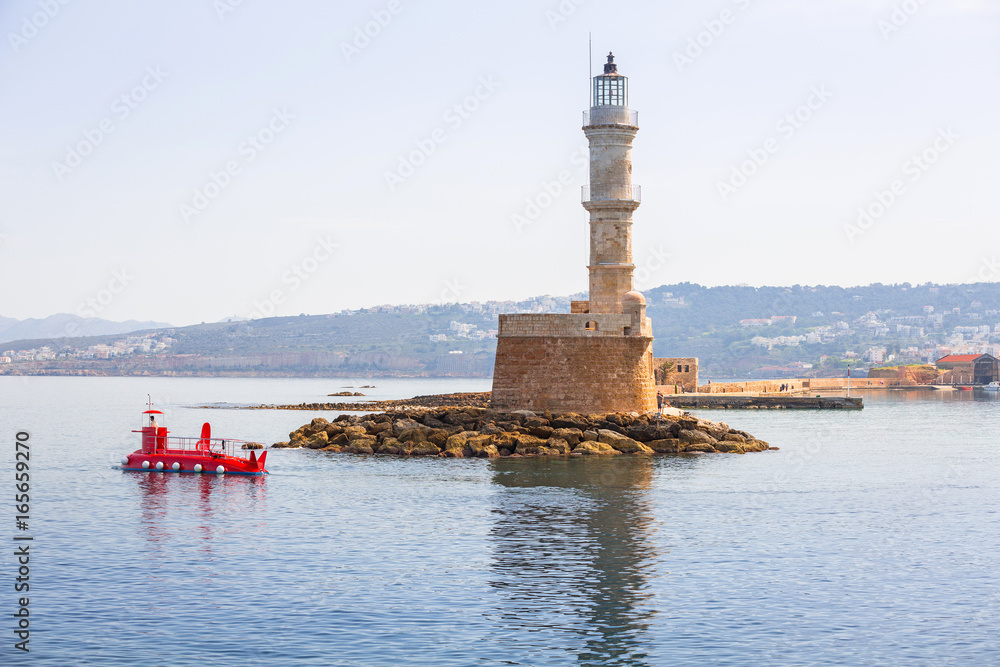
(176, 466)
(197, 467)
(220, 470)
(145, 464)
(124, 460)
(159, 465)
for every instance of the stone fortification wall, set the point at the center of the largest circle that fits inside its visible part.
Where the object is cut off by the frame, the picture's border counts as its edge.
(579, 373)
(590, 325)
(682, 372)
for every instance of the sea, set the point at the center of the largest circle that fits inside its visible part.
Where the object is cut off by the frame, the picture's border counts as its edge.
(868, 538)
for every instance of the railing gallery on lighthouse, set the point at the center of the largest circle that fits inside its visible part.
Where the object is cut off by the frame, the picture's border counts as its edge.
(611, 115)
(612, 192)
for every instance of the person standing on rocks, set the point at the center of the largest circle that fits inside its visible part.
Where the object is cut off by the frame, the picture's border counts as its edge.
(659, 402)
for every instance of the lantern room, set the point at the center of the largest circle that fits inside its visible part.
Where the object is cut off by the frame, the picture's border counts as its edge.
(611, 88)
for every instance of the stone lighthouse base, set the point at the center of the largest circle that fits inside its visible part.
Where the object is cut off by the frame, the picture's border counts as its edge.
(584, 363)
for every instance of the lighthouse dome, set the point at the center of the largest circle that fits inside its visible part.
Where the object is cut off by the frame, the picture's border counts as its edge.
(633, 298)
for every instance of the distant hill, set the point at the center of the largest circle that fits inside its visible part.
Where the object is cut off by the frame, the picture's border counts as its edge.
(67, 326)
(798, 331)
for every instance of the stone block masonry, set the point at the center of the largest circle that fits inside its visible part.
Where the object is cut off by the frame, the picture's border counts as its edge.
(584, 374)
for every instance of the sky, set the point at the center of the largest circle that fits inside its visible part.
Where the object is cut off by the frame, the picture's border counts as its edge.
(201, 159)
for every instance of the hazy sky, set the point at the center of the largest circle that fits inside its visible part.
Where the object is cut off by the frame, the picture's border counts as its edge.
(189, 160)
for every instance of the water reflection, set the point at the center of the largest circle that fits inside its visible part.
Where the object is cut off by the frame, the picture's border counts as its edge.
(572, 559)
(176, 507)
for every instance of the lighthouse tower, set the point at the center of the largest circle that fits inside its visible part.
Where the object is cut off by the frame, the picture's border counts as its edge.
(610, 198)
(599, 357)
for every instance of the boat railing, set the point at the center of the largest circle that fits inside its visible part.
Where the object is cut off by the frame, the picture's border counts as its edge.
(218, 446)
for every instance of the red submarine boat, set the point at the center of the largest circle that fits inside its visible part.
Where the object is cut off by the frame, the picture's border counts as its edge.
(161, 452)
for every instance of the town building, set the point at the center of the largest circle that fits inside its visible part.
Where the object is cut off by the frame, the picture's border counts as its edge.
(969, 369)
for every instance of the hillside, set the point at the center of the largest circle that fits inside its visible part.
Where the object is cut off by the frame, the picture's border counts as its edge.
(735, 331)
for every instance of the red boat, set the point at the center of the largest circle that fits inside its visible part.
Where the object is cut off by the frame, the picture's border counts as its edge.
(163, 452)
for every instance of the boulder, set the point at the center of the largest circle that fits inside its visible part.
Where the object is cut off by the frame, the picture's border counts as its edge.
(490, 429)
(690, 437)
(735, 437)
(438, 436)
(339, 439)
(544, 432)
(527, 445)
(717, 430)
(458, 440)
(572, 436)
(318, 424)
(489, 452)
(318, 441)
(282, 445)
(590, 448)
(703, 447)
(378, 427)
(334, 429)
(361, 445)
(622, 443)
(755, 446)
(570, 420)
(413, 435)
(401, 425)
(425, 449)
(669, 446)
(476, 443)
(555, 447)
(354, 431)
(650, 432)
(333, 449)
(729, 447)
(590, 436)
(390, 446)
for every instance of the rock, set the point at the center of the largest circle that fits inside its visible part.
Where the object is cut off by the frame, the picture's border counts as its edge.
(367, 425)
(354, 431)
(300, 433)
(432, 422)
(696, 438)
(404, 425)
(590, 448)
(699, 447)
(438, 436)
(334, 429)
(572, 436)
(622, 443)
(735, 437)
(318, 441)
(413, 435)
(458, 440)
(318, 424)
(717, 430)
(425, 449)
(361, 445)
(378, 427)
(555, 447)
(729, 447)
(669, 446)
(339, 439)
(755, 446)
(454, 453)
(476, 443)
(528, 445)
(390, 446)
(650, 432)
(333, 449)
(489, 452)
(604, 425)
(590, 435)
(544, 432)
(282, 445)
(571, 421)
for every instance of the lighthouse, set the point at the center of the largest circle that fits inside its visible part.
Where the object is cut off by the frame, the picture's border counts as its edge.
(598, 357)
(611, 198)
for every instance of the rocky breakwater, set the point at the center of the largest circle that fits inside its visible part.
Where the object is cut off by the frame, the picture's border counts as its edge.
(483, 433)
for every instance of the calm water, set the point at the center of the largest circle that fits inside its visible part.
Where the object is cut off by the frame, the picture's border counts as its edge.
(870, 538)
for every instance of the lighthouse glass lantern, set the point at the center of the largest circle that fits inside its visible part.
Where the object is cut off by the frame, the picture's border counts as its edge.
(611, 88)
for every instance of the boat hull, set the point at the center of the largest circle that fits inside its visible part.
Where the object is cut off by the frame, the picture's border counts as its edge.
(189, 463)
